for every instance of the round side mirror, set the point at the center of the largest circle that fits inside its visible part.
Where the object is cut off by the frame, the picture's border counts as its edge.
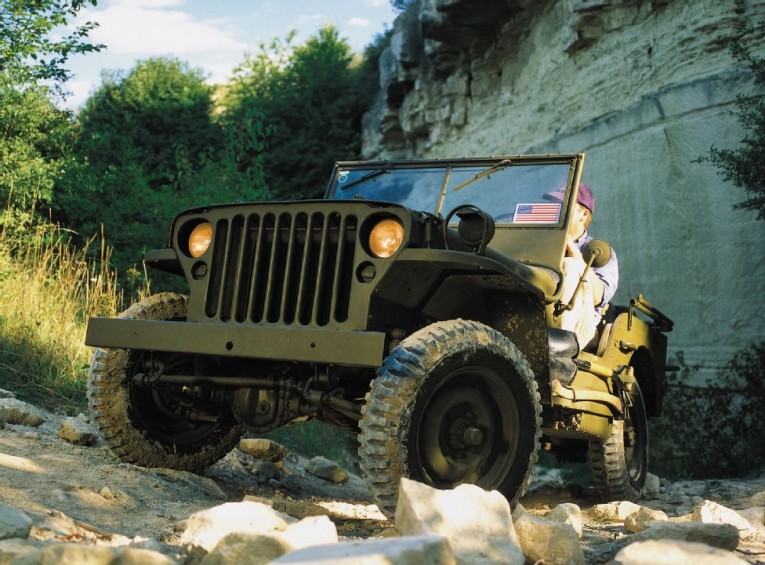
(600, 250)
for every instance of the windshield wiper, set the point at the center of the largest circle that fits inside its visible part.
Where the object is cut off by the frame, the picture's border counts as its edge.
(495, 167)
(366, 177)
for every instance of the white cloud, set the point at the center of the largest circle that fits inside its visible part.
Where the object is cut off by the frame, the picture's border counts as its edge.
(359, 22)
(376, 3)
(312, 18)
(145, 28)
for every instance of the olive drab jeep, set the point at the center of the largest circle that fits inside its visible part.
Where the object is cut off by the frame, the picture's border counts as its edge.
(417, 305)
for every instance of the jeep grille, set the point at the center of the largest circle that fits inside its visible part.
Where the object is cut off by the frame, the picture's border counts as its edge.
(282, 268)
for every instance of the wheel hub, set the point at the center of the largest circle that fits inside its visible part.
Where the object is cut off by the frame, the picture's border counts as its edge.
(472, 437)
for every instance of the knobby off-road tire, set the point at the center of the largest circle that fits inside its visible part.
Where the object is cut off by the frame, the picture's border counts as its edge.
(620, 463)
(455, 402)
(134, 421)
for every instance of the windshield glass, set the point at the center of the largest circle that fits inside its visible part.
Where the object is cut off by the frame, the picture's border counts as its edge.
(515, 194)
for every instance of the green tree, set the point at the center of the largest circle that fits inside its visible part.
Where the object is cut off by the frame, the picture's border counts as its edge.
(35, 137)
(28, 52)
(149, 147)
(745, 166)
(312, 98)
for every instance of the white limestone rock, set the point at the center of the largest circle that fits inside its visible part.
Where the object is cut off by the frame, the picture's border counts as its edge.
(568, 513)
(263, 449)
(612, 511)
(710, 512)
(413, 550)
(723, 536)
(14, 411)
(74, 554)
(652, 489)
(13, 523)
(207, 528)
(638, 521)
(548, 541)
(326, 469)
(478, 524)
(77, 432)
(672, 552)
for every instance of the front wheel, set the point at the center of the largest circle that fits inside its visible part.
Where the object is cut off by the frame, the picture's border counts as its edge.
(147, 425)
(455, 402)
(620, 463)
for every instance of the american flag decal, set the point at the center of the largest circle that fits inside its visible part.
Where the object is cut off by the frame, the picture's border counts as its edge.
(538, 213)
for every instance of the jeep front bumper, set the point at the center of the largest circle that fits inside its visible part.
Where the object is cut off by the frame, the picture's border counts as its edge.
(339, 347)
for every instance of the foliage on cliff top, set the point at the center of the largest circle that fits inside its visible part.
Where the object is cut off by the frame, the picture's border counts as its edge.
(745, 166)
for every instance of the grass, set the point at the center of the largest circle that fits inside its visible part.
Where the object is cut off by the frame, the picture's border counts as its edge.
(48, 290)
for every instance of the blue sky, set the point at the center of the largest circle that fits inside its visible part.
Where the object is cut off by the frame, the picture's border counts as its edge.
(213, 35)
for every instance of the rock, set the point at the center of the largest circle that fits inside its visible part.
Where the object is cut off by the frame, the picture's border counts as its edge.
(723, 536)
(204, 485)
(568, 513)
(73, 554)
(263, 449)
(638, 521)
(13, 411)
(548, 541)
(6, 393)
(13, 523)
(477, 523)
(652, 488)
(757, 499)
(12, 548)
(710, 512)
(295, 508)
(666, 552)
(413, 550)
(77, 432)
(314, 530)
(265, 471)
(253, 549)
(613, 511)
(755, 515)
(208, 527)
(325, 469)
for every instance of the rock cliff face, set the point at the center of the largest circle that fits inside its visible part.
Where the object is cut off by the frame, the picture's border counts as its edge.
(643, 88)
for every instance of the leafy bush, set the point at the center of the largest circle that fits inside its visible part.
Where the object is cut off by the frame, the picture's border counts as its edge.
(716, 431)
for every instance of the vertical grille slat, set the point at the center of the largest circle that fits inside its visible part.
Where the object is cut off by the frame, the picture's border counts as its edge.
(282, 268)
(305, 296)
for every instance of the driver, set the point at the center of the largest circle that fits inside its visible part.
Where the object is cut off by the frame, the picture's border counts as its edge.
(599, 284)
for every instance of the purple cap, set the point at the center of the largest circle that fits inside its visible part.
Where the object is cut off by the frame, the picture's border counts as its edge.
(583, 197)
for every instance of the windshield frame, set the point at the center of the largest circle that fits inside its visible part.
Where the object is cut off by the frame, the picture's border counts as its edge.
(440, 190)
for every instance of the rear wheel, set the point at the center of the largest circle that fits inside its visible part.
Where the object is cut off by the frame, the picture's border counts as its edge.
(454, 403)
(620, 463)
(148, 425)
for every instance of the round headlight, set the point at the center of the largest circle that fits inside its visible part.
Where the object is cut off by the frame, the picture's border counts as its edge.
(200, 239)
(386, 237)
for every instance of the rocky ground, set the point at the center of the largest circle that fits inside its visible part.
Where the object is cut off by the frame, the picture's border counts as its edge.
(61, 490)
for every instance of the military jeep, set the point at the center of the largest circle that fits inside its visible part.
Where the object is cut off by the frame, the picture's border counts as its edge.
(418, 305)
